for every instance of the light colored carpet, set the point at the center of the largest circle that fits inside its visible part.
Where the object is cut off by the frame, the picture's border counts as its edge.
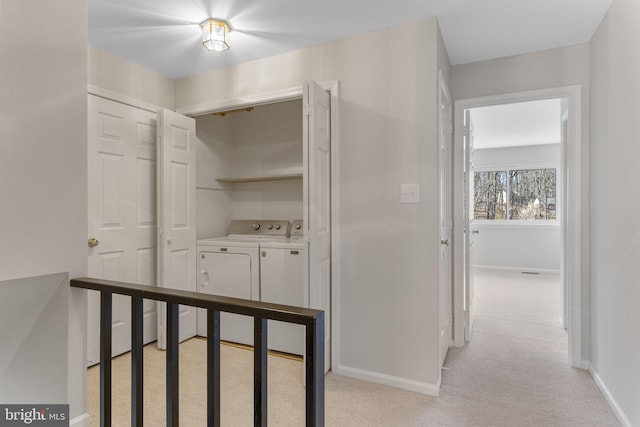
(513, 372)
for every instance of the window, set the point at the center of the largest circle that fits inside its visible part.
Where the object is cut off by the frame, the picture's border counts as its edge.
(490, 195)
(516, 194)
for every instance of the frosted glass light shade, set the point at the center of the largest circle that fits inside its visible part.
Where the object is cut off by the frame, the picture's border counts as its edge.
(214, 35)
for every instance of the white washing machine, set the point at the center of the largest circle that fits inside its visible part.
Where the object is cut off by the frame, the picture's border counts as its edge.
(230, 266)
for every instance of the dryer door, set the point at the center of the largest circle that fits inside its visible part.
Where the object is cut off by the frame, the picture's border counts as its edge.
(227, 275)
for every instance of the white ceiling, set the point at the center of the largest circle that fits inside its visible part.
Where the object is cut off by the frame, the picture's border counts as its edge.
(164, 35)
(517, 124)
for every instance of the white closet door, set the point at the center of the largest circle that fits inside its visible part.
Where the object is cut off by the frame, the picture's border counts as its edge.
(177, 215)
(317, 201)
(446, 221)
(121, 213)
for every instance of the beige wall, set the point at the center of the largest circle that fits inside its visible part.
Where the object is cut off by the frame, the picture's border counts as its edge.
(118, 75)
(388, 259)
(615, 235)
(43, 191)
(539, 70)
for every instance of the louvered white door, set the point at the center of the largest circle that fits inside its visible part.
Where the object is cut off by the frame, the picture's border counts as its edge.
(121, 211)
(317, 201)
(176, 215)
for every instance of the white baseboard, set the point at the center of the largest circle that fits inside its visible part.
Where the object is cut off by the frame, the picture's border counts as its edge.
(390, 380)
(517, 269)
(619, 413)
(80, 421)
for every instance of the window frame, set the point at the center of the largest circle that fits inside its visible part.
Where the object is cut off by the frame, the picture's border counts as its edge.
(520, 222)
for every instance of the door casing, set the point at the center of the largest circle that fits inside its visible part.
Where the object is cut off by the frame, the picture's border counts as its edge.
(333, 87)
(574, 218)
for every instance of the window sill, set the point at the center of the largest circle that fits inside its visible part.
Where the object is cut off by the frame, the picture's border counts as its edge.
(515, 224)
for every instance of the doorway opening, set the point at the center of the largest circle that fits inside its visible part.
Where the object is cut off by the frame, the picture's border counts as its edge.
(518, 212)
(515, 196)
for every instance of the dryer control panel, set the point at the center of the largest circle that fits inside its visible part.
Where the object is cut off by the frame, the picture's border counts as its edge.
(259, 228)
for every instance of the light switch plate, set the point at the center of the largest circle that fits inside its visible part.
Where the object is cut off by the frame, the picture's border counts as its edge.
(410, 193)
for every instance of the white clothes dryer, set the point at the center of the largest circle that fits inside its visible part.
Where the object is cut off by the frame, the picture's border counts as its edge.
(229, 268)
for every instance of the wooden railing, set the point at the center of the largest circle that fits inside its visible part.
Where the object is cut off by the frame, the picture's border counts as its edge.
(313, 320)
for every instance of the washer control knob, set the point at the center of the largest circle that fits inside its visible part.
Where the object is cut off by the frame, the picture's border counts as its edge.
(278, 227)
(255, 226)
(270, 226)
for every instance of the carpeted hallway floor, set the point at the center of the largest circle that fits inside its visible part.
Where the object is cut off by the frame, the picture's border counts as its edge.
(513, 372)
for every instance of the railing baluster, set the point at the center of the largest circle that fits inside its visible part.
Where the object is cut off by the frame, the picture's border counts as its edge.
(213, 368)
(261, 312)
(259, 372)
(106, 306)
(137, 355)
(172, 364)
(315, 372)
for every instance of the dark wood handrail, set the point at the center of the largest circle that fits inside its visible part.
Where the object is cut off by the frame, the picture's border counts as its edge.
(313, 320)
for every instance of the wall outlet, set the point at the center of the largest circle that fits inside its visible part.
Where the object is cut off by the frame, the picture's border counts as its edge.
(410, 193)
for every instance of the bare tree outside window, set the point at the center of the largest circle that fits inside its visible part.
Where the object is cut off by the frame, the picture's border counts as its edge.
(527, 194)
(532, 194)
(490, 189)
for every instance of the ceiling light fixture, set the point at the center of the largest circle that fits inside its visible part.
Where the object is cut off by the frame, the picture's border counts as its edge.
(214, 35)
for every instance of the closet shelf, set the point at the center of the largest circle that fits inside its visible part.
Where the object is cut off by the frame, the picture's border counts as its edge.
(283, 177)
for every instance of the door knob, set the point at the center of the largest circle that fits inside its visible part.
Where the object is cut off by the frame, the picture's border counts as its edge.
(93, 242)
(444, 242)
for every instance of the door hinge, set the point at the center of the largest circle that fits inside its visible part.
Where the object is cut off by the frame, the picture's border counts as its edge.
(306, 110)
(449, 128)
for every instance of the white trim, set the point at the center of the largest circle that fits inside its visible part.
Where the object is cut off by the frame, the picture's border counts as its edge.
(334, 90)
(80, 420)
(390, 380)
(251, 100)
(516, 269)
(516, 166)
(572, 216)
(123, 99)
(241, 102)
(617, 410)
(516, 223)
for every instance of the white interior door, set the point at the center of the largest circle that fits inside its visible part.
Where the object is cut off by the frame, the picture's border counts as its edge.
(176, 215)
(469, 230)
(122, 186)
(446, 222)
(317, 201)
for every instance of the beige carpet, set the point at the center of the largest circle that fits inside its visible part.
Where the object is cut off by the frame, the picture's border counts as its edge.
(513, 372)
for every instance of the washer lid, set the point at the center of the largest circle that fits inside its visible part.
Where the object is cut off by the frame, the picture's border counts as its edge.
(225, 241)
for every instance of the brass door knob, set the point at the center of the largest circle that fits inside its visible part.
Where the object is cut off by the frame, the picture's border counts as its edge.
(93, 242)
